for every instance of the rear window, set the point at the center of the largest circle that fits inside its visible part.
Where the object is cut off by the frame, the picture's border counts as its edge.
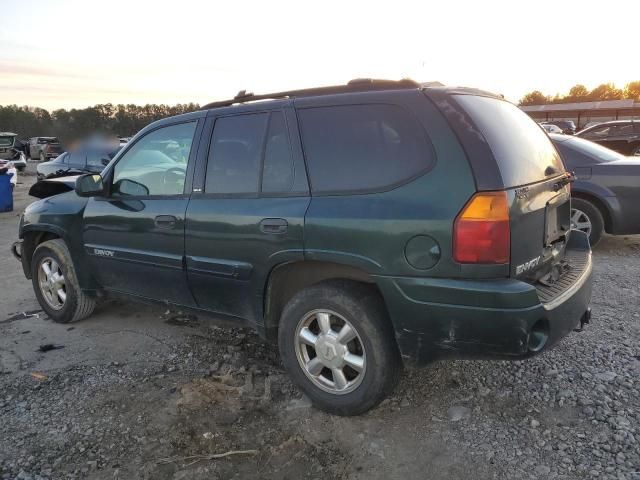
(521, 148)
(6, 141)
(357, 148)
(595, 153)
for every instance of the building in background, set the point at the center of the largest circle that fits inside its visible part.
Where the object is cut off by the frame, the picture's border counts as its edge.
(585, 113)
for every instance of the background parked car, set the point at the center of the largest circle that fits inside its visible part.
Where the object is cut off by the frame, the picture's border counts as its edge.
(83, 160)
(606, 193)
(623, 136)
(44, 148)
(9, 150)
(550, 128)
(566, 126)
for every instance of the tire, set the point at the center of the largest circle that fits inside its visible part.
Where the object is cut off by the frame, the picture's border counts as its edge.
(361, 307)
(592, 215)
(77, 305)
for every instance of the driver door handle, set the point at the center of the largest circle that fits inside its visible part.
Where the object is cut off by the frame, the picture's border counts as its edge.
(165, 221)
(273, 225)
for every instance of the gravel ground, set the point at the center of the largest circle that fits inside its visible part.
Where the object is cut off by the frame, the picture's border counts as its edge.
(141, 392)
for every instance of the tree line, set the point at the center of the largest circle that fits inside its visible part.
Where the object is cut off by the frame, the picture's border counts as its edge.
(70, 125)
(580, 93)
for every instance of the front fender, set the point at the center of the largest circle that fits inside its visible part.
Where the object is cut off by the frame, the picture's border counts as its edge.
(60, 216)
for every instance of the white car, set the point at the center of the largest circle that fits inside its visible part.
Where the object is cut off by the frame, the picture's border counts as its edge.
(551, 128)
(11, 169)
(20, 163)
(9, 152)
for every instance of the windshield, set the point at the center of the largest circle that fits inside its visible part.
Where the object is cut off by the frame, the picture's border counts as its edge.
(6, 141)
(598, 153)
(43, 140)
(522, 149)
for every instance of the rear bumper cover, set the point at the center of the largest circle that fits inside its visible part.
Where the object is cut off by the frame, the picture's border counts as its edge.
(447, 318)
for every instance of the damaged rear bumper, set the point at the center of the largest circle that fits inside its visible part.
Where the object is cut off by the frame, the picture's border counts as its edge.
(503, 318)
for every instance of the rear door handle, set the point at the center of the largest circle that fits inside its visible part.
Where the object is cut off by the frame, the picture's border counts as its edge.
(273, 225)
(165, 221)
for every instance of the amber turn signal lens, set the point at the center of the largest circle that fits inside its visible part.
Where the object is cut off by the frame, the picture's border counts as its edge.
(481, 232)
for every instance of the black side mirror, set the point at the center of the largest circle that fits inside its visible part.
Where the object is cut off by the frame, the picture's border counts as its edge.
(90, 186)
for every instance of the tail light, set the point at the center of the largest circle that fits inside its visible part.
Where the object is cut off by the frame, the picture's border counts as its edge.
(481, 232)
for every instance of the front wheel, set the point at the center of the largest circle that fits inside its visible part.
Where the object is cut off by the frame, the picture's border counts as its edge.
(586, 217)
(337, 343)
(56, 284)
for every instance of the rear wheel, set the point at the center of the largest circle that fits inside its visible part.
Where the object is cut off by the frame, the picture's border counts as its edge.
(587, 218)
(56, 284)
(338, 346)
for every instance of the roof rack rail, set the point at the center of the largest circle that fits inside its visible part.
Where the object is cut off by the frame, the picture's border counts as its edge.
(356, 85)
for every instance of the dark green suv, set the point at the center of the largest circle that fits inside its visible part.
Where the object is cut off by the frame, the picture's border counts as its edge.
(363, 226)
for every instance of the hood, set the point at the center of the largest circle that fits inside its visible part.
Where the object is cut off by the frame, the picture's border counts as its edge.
(53, 186)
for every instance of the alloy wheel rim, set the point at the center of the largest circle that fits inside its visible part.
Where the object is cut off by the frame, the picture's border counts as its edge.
(580, 221)
(330, 351)
(52, 283)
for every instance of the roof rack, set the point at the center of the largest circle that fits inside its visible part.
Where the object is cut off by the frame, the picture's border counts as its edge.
(357, 85)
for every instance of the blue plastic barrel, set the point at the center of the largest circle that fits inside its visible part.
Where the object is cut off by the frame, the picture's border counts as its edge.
(6, 193)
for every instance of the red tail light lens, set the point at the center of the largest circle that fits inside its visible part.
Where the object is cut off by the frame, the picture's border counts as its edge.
(481, 232)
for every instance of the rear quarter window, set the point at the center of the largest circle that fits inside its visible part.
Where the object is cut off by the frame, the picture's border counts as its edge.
(362, 148)
(523, 151)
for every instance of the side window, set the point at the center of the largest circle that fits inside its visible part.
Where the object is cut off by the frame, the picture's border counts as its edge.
(76, 159)
(362, 147)
(156, 164)
(235, 154)
(277, 172)
(599, 132)
(623, 129)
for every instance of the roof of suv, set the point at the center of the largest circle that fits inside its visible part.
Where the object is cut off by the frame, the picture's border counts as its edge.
(353, 86)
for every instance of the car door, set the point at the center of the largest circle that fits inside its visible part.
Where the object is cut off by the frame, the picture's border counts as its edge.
(57, 166)
(76, 160)
(246, 214)
(618, 138)
(600, 134)
(134, 237)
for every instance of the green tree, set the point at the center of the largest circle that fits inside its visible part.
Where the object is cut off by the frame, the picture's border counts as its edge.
(632, 90)
(70, 125)
(606, 91)
(534, 98)
(578, 93)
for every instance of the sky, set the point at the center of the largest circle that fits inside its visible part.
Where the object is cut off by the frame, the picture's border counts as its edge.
(64, 54)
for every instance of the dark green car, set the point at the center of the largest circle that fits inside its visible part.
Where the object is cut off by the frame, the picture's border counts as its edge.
(365, 227)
